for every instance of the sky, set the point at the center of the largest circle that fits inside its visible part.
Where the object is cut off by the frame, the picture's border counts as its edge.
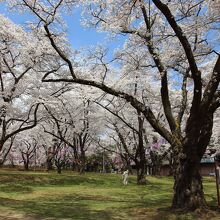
(79, 37)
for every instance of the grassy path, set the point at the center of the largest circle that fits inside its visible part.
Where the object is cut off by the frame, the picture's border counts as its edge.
(42, 196)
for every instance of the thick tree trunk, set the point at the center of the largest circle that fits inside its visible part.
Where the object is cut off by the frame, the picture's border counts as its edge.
(188, 188)
(141, 172)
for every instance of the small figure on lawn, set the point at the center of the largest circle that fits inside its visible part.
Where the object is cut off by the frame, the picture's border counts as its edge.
(125, 177)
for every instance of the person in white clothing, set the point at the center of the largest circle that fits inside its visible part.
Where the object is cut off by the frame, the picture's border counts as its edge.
(125, 177)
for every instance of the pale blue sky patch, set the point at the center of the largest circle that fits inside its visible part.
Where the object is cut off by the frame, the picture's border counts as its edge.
(79, 36)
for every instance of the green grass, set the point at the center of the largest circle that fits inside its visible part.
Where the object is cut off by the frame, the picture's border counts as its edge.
(36, 196)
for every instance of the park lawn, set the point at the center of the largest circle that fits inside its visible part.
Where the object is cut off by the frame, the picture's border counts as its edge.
(36, 196)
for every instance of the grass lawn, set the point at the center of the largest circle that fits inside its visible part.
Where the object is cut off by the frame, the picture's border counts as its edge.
(36, 196)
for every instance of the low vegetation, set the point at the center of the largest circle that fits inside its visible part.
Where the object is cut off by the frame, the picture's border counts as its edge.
(34, 196)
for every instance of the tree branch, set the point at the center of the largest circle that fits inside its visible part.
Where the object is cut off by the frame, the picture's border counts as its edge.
(61, 54)
(20, 129)
(196, 74)
(130, 99)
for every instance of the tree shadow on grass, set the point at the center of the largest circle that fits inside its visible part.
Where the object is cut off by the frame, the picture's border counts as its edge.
(200, 214)
(56, 209)
(149, 195)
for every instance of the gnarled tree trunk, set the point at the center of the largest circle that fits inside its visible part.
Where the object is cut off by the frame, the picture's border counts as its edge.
(188, 188)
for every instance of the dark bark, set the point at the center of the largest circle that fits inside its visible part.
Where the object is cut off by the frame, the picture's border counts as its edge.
(4, 157)
(171, 166)
(141, 167)
(141, 172)
(26, 165)
(59, 169)
(141, 175)
(188, 188)
(82, 164)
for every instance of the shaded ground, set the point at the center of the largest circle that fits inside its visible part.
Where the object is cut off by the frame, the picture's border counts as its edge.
(42, 196)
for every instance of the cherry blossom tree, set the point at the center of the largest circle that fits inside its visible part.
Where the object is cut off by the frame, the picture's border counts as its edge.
(27, 151)
(72, 119)
(59, 154)
(18, 109)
